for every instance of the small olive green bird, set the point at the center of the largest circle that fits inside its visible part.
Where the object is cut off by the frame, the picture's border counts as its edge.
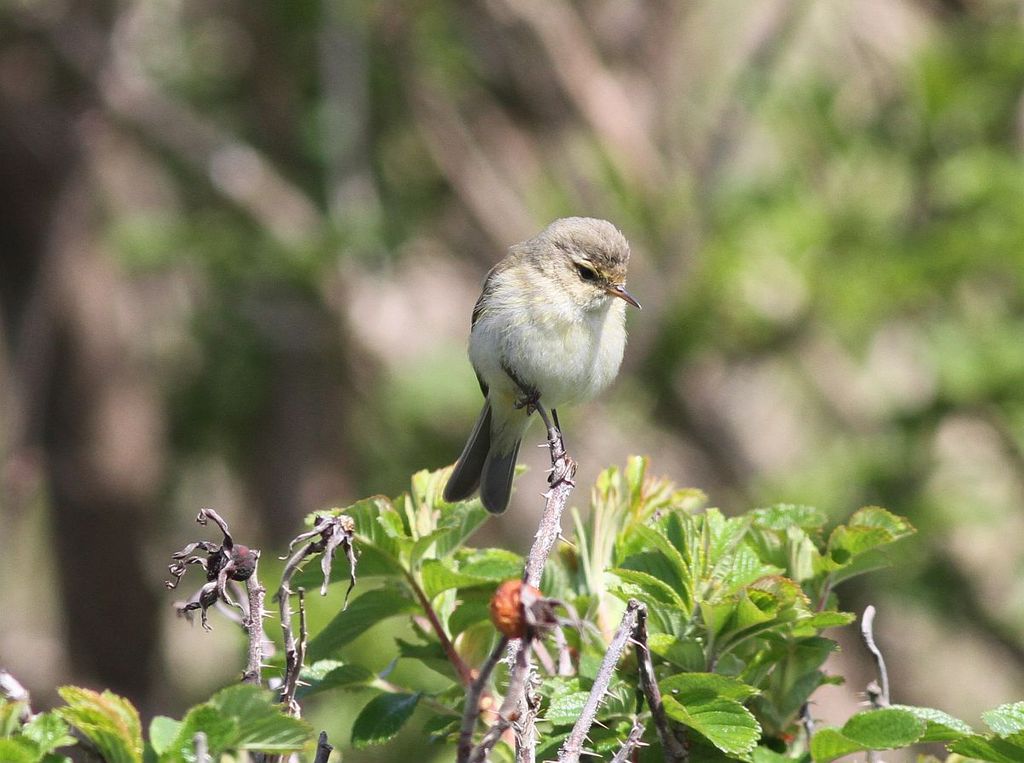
(549, 326)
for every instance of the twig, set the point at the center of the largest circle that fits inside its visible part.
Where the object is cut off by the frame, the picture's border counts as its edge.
(509, 709)
(465, 674)
(323, 749)
(572, 748)
(560, 485)
(877, 695)
(526, 726)
(674, 748)
(880, 695)
(327, 535)
(253, 624)
(201, 747)
(472, 709)
(632, 742)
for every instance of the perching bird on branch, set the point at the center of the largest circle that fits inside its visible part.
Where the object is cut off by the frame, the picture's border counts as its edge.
(548, 327)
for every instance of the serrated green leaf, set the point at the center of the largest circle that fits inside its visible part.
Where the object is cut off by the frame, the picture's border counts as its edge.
(884, 729)
(565, 708)
(939, 726)
(783, 515)
(684, 653)
(994, 749)
(19, 750)
(829, 744)
(823, 620)
(382, 718)
(262, 724)
(473, 609)
(48, 732)
(494, 564)
(647, 588)
(1005, 719)
(326, 675)
(724, 722)
(11, 714)
(440, 576)
(162, 733)
(110, 722)
(221, 734)
(693, 687)
(363, 613)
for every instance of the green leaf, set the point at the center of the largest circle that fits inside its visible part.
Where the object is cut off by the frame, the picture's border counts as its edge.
(262, 724)
(684, 653)
(48, 732)
(995, 749)
(382, 718)
(475, 608)
(110, 722)
(724, 722)
(1005, 719)
(690, 687)
(162, 733)
(829, 744)
(939, 726)
(647, 588)
(221, 734)
(822, 620)
(19, 750)
(439, 576)
(565, 707)
(494, 564)
(783, 515)
(332, 674)
(884, 729)
(366, 611)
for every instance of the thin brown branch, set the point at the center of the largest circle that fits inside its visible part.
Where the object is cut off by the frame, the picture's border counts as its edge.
(472, 709)
(509, 710)
(673, 747)
(572, 748)
(323, 749)
(253, 625)
(461, 668)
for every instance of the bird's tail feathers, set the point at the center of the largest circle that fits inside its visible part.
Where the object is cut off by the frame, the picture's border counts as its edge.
(500, 467)
(465, 476)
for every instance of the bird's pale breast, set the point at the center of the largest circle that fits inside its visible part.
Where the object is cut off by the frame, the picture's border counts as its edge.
(566, 353)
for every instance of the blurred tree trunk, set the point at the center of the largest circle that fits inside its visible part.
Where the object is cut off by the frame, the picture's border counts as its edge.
(73, 392)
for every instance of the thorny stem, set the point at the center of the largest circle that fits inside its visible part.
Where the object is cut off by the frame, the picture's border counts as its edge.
(473, 694)
(509, 710)
(572, 748)
(465, 674)
(294, 652)
(560, 485)
(673, 747)
(253, 624)
(632, 742)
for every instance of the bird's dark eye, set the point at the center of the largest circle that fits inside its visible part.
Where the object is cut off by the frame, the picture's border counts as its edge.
(587, 274)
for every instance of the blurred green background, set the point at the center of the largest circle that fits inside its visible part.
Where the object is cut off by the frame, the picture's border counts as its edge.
(240, 241)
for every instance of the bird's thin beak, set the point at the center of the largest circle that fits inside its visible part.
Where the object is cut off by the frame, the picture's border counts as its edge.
(620, 291)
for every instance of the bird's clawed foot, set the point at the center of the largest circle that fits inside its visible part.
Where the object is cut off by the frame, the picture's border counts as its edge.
(562, 472)
(529, 401)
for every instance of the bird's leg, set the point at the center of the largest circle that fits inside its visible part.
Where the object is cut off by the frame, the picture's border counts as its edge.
(531, 395)
(562, 466)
